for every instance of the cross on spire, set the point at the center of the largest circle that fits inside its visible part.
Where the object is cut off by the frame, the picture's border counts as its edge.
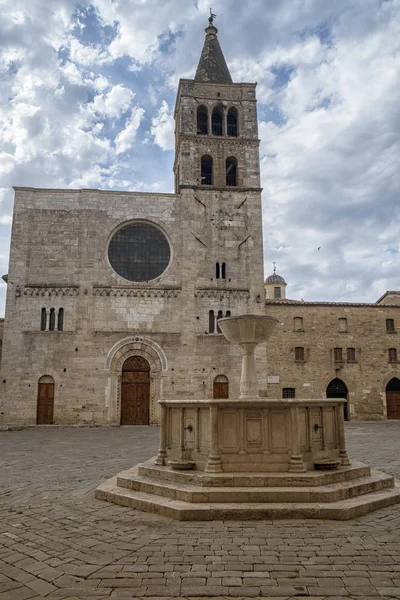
(274, 263)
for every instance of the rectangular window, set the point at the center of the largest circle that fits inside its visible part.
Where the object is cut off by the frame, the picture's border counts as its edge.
(351, 355)
(392, 355)
(390, 326)
(277, 292)
(289, 393)
(299, 354)
(343, 325)
(298, 324)
(338, 354)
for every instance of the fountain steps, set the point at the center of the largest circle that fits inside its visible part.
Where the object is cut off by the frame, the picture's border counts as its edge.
(341, 500)
(256, 479)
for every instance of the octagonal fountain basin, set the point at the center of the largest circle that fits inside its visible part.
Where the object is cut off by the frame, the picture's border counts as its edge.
(247, 329)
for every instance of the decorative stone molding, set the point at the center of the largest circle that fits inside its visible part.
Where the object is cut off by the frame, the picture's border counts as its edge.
(119, 353)
(217, 294)
(128, 292)
(130, 346)
(45, 290)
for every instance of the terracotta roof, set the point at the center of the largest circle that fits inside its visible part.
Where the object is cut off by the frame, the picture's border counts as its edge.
(301, 302)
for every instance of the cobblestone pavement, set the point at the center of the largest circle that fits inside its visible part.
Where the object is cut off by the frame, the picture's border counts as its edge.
(58, 541)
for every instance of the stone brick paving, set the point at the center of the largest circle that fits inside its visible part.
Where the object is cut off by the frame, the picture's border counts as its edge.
(58, 541)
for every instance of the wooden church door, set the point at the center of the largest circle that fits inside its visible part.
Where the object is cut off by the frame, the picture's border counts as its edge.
(135, 392)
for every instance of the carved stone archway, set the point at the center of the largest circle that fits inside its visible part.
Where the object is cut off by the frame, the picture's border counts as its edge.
(125, 348)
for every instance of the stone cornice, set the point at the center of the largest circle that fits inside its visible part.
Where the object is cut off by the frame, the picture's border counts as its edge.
(220, 293)
(129, 292)
(349, 304)
(222, 140)
(48, 290)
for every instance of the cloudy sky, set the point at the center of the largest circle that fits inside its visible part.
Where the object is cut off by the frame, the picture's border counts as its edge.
(88, 90)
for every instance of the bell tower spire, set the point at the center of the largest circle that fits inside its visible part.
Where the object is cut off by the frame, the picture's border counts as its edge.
(212, 65)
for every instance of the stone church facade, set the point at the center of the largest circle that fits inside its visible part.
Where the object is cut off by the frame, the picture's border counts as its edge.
(113, 298)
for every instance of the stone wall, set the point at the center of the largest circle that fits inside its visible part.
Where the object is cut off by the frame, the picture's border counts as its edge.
(366, 378)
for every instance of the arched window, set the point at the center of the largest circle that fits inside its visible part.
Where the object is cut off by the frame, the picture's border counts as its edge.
(223, 271)
(216, 121)
(220, 387)
(231, 171)
(228, 313)
(202, 120)
(43, 320)
(211, 322)
(298, 324)
(219, 316)
(217, 271)
(52, 319)
(60, 320)
(232, 120)
(206, 170)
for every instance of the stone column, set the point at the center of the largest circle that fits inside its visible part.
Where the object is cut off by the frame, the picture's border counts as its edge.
(248, 380)
(214, 464)
(296, 464)
(342, 438)
(162, 452)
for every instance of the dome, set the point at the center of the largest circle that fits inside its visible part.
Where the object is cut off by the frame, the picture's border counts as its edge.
(275, 278)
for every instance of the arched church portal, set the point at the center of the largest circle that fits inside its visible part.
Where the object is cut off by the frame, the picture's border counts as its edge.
(393, 398)
(338, 389)
(137, 367)
(135, 391)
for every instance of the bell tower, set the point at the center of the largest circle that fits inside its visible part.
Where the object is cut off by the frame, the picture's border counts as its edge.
(217, 177)
(216, 130)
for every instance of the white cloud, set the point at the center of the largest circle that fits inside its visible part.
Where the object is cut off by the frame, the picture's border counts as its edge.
(162, 128)
(127, 136)
(112, 104)
(74, 92)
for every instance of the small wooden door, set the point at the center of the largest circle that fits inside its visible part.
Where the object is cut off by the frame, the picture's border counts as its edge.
(393, 405)
(221, 387)
(135, 392)
(393, 398)
(45, 403)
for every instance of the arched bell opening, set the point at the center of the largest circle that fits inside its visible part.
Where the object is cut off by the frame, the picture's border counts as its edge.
(206, 170)
(217, 120)
(232, 122)
(202, 120)
(231, 171)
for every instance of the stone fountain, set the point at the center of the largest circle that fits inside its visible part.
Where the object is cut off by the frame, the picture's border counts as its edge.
(251, 457)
